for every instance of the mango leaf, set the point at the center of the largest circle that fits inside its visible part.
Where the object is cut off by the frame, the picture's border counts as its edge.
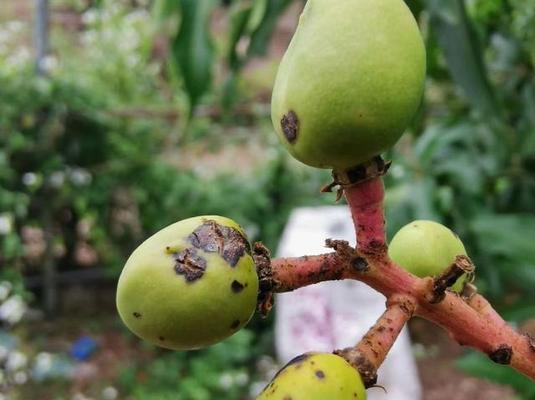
(459, 42)
(261, 36)
(478, 365)
(509, 236)
(239, 18)
(163, 9)
(192, 48)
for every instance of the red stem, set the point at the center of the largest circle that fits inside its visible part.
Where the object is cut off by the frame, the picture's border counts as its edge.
(367, 197)
(472, 323)
(368, 355)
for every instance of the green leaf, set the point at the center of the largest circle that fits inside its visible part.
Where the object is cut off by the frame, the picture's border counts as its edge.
(239, 17)
(261, 36)
(462, 50)
(509, 236)
(478, 365)
(192, 48)
(163, 9)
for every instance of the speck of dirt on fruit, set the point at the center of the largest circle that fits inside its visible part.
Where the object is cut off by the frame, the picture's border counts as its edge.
(237, 287)
(290, 126)
(189, 264)
(228, 242)
(136, 315)
(320, 374)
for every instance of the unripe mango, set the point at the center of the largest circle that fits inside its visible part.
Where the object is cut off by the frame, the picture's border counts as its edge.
(426, 248)
(315, 376)
(350, 82)
(190, 285)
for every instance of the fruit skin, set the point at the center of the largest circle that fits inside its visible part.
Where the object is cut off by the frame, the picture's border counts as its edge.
(315, 376)
(165, 297)
(350, 82)
(426, 248)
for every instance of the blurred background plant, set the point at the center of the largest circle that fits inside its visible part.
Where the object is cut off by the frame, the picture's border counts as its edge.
(153, 111)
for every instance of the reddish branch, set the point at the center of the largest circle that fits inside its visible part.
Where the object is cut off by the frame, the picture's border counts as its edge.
(368, 355)
(470, 321)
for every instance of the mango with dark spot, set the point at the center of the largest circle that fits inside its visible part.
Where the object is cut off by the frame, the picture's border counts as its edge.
(192, 284)
(315, 376)
(426, 248)
(350, 82)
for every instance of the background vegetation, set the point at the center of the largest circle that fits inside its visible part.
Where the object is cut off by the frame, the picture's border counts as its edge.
(150, 112)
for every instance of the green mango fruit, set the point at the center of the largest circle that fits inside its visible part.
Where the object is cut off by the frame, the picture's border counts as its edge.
(190, 285)
(426, 248)
(315, 376)
(350, 82)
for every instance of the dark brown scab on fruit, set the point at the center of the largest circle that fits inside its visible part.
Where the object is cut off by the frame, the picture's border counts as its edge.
(320, 374)
(237, 287)
(189, 264)
(229, 243)
(290, 126)
(136, 315)
(502, 355)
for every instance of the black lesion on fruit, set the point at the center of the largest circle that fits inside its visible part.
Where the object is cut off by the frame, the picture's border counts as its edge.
(237, 287)
(216, 238)
(161, 338)
(502, 355)
(136, 315)
(189, 264)
(235, 324)
(320, 374)
(290, 126)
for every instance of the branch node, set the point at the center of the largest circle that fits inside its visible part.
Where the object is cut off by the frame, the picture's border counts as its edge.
(348, 255)
(468, 292)
(262, 259)
(360, 362)
(502, 355)
(462, 265)
(374, 168)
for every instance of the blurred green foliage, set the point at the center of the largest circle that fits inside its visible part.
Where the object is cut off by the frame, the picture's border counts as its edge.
(222, 371)
(79, 166)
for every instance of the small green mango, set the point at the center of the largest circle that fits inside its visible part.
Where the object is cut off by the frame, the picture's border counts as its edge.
(426, 248)
(315, 376)
(350, 82)
(192, 284)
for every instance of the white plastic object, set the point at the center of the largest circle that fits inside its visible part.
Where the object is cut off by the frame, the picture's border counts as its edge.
(335, 315)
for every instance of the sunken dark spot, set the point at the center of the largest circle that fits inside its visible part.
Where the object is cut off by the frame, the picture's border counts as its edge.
(235, 324)
(320, 374)
(502, 355)
(237, 287)
(287, 397)
(161, 338)
(216, 238)
(359, 264)
(290, 126)
(189, 264)
(136, 315)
